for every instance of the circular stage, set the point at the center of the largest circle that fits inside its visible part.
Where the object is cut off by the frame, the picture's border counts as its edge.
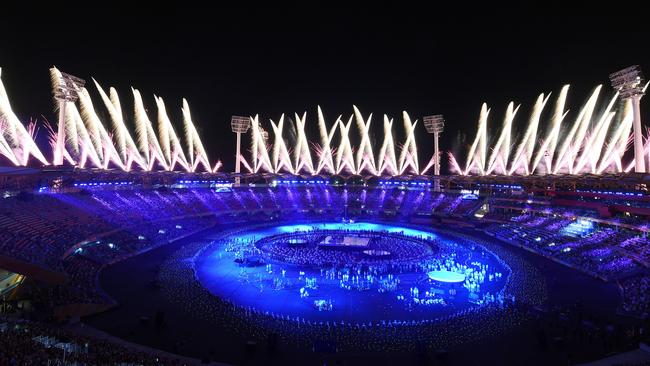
(351, 273)
(446, 276)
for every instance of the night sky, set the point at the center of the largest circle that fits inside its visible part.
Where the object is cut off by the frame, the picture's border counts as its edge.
(291, 58)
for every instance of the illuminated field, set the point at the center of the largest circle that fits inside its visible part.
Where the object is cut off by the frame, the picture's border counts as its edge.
(293, 281)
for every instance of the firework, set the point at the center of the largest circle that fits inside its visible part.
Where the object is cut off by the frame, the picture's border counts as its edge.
(594, 143)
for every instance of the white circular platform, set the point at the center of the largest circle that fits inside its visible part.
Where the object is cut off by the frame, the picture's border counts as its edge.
(446, 276)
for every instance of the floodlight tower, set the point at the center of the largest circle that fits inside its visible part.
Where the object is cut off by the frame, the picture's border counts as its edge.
(629, 83)
(65, 90)
(435, 125)
(239, 125)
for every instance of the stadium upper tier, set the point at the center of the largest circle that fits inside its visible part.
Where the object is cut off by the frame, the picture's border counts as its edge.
(33, 179)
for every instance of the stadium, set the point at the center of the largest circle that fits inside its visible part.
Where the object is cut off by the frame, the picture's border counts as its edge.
(342, 256)
(331, 241)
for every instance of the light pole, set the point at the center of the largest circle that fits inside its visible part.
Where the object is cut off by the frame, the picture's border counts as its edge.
(629, 83)
(239, 125)
(435, 124)
(65, 90)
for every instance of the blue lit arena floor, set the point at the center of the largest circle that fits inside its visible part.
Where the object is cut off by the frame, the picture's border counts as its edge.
(210, 310)
(352, 287)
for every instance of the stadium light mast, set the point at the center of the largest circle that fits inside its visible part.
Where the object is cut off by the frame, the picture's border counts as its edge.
(435, 124)
(65, 90)
(239, 125)
(629, 83)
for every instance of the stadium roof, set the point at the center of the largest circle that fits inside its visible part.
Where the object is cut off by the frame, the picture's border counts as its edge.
(18, 170)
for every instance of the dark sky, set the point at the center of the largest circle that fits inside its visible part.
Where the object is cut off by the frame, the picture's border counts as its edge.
(291, 58)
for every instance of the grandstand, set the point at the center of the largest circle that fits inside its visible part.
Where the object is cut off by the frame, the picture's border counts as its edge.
(59, 230)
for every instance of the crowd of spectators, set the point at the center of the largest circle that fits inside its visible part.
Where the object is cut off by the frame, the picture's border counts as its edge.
(599, 250)
(39, 228)
(400, 248)
(26, 343)
(636, 296)
(105, 226)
